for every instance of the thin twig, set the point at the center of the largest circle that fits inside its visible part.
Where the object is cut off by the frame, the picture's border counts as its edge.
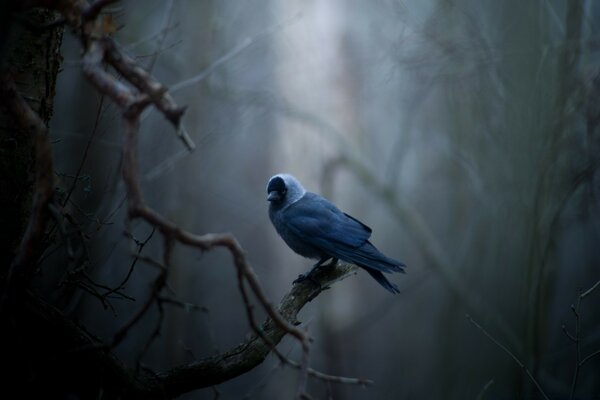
(485, 389)
(159, 284)
(141, 246)
(507, 351)
(566, 332)
(237, 49)
(163, 34)
(332, 378)
(579, 362)
(590, 356)
(153, 336)
(575, 310)
(85, 152)
(590, 290)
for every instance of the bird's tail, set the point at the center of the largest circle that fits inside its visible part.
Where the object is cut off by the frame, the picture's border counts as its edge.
(378, 276)
(369, 257)
(374, 262)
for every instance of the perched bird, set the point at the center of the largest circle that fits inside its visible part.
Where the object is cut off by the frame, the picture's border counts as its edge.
(315, 228)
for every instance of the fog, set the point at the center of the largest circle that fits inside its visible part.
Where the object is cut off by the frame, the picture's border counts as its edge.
(465, 133)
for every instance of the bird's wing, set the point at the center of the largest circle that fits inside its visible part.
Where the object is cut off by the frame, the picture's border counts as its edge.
(319, 222)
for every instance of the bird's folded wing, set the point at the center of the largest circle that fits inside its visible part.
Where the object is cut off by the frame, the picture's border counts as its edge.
(315, 219)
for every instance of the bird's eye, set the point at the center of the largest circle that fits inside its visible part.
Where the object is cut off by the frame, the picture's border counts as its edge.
(277, 185)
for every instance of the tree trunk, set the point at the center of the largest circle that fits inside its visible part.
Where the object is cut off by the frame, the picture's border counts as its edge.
(31, 57)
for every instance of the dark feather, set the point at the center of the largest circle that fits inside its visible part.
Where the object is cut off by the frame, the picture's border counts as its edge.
(315, 216)
(378, 276)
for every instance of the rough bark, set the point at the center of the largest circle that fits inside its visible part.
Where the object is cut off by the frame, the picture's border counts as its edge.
(32, 58)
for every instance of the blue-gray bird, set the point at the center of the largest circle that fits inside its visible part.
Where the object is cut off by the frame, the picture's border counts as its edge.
(315, 228)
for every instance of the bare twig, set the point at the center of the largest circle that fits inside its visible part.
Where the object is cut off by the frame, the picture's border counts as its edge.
(507, 351)
(579, 361)
(577, 339)
(170, 7)
(485, 388)
(566, 332)
(153, 336)
(210, 69)
(85, 152)
(141, 246)
(589, 357)
(159, 284)
(237, 49)
(332, 378)
(165, 165)
(590, 290)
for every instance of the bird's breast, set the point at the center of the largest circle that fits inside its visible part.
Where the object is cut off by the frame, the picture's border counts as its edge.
(295, 241)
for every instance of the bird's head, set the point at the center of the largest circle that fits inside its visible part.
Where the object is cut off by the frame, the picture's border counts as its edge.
(284, 189)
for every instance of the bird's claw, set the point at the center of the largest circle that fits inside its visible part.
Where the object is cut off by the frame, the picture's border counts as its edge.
(300, 278)
(308, 276)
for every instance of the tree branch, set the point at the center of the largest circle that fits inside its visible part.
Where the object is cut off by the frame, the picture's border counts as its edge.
(133, 94)
(247, 355)
(92, 357)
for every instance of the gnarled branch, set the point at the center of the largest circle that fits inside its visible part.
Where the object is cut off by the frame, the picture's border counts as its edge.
(82, 358)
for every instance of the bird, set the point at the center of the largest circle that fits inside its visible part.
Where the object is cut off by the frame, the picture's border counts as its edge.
(315, 228)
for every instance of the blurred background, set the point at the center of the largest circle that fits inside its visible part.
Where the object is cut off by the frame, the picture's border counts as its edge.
(465, 133)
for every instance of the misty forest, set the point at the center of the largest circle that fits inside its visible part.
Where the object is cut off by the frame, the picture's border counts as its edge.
(138, 258)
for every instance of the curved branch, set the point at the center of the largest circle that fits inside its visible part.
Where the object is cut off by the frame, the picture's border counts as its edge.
(247, 355)
(86, 357)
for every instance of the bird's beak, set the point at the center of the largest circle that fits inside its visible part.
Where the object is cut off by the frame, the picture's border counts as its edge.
(273, 196)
